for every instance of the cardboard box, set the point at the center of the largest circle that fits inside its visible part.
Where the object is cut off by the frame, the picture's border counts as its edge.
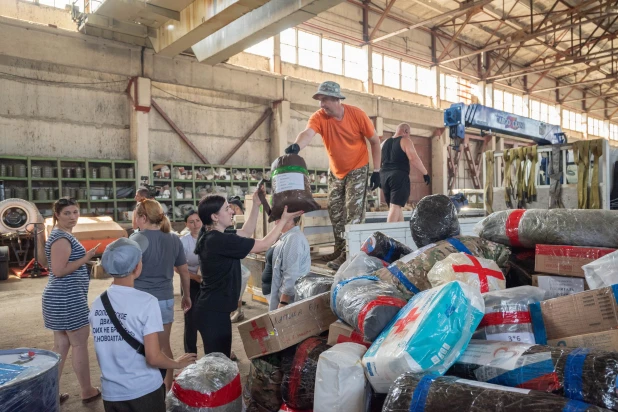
(579, 314)
(97, 271)
(339, 332)
(566, 260)
(556, 286)
(607, 341)
(282, 328)
(91, 231)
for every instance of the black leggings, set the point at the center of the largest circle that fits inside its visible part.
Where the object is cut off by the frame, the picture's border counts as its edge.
(216, 330)
(190, 326)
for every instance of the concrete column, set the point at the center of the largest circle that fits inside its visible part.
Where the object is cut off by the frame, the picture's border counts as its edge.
(487, 94)
(368, 84)
(435, 99)
(439, 162)
(275, 62)
(526, 102)
(279, 129)
(140, 95)
(585, 125)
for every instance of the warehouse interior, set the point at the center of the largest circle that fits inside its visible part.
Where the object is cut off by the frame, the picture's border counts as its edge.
(197, 97)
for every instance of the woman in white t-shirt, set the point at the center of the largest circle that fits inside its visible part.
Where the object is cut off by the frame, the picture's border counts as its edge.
(193, 224)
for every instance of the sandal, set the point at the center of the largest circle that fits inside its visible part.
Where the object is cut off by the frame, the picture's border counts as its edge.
(64, 397)
(92, 398)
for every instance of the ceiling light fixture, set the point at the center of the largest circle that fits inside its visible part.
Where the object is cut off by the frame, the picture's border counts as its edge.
(170, 27)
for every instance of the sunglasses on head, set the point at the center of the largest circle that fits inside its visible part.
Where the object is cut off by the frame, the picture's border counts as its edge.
(66, 201)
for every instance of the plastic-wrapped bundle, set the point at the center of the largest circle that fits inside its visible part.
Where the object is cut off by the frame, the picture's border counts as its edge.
(417, 393)
(427, 335)
(409, 274)
(571, 227)
(603, 271)
(576, 373)
(340, 380)
(298, 384)
(29, 380)
(434, 219)
(480, 273)
(360, 265)
(262, 392)
(291, 186)
(385, 247)
(212, 384)
(366, 304)
(507, 315)
(311, 284)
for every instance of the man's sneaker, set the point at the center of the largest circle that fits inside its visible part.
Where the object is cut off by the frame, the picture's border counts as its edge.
(237, 316)
(332, 256)
(335, 264)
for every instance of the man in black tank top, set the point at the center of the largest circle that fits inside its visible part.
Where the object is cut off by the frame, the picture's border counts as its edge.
(398, 153)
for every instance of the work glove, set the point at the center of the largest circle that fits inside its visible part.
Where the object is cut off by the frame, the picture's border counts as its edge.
(292, 149)
(427, 179)
(374, 181)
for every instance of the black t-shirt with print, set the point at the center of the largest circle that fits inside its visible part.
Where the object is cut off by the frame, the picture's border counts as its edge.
(221, 274)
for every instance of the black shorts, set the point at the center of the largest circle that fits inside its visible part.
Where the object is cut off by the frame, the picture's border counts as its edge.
(152, 402)
(396, 187)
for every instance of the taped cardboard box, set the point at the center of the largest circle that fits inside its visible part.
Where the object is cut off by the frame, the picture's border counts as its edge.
(607, 341)
(579, 314)
(274, 331)
(340, 332)
(566, 260)
(556, 286)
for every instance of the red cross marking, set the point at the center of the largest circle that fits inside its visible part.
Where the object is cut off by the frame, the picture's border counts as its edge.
(401, 323)
(482, 272)
(259, 334)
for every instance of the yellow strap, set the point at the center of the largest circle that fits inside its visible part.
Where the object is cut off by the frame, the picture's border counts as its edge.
(508, 185)
(489, 183)
(596, 149)
(521, 173)
(581, 157)
(533, 156)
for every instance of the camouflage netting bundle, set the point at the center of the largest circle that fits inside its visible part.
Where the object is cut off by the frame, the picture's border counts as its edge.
(291, 187)
(507, 315)
(298, 385)
(262, 391)
(570, 227)
(576, 373)
(409, 274)
(385, 247)
(366, 304)
(434, 219)
(418, 393)
(311, 284)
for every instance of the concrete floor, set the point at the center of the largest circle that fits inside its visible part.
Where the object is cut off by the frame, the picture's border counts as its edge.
(22, 326)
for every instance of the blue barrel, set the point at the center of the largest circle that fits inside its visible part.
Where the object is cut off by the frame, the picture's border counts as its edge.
(29, 383)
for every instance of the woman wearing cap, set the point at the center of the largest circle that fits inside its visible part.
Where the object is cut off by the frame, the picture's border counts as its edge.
(163, 255)
(193, 224)
(220, 254)
(65, 298)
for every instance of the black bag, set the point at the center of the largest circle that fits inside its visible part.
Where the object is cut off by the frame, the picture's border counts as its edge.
(134, 343)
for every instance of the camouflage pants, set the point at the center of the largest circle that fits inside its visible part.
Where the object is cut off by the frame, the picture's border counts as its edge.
(346, 201)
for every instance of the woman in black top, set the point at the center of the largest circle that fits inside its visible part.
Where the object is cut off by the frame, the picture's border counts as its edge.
(220, 254)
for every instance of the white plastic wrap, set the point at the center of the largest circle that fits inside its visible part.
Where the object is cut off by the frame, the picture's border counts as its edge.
(245, 274)
(426, 336)
(361, 264)
(602, 272)
(212, 384)
(480, 273)
(507, 315)
(340, 380)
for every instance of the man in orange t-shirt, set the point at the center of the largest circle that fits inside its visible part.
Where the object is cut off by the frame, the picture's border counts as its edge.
(344, 129)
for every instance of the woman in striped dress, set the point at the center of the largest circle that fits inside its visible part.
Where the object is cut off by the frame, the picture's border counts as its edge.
(65, 298)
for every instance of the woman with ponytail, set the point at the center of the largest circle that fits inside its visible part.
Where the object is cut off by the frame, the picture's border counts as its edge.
(163, 253)
(220, 254)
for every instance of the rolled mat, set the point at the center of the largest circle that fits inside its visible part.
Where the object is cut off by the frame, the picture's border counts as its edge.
(579, 374)
(409, 274)
(385, 247)
(418, 393)
(291, 186)
(311, 284)
(507, 315)
(366, 304)
(212, 384)
(434, 219)
(298, 386)
(570, 227)
(426, 336)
